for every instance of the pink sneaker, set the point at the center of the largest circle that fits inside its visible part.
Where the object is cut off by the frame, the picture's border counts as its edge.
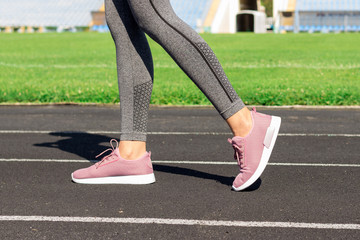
(113, 169)
(253, 151)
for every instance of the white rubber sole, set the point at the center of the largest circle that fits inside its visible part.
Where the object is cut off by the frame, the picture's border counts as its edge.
(274, 127)
(132, 179)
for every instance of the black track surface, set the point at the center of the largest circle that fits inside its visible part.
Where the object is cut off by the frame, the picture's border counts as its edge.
(311, 194)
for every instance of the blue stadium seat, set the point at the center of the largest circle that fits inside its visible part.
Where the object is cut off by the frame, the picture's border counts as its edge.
(100, 28)
(324, 29)
(104, 28)
(352, 28)
(289, 28)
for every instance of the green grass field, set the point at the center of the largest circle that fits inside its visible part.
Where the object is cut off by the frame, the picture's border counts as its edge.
(265, 69)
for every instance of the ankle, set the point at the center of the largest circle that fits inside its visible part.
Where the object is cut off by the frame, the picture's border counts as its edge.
(241, 123)
(132, 150)
(244, 130)
(131, 155)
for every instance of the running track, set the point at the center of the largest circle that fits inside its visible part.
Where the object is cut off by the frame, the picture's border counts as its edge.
(309, 190)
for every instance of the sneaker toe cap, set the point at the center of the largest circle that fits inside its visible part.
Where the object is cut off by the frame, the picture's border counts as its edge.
(80, 173)
(241, 179)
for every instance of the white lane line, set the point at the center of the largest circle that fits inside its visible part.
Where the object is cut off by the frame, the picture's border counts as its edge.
(314, 164)
(47, 160)
(189, 222)
(180, 162)
(175, 133)
(317, 135)
(269, 164)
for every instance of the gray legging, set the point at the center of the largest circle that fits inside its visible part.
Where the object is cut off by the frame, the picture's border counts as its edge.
(128, 20)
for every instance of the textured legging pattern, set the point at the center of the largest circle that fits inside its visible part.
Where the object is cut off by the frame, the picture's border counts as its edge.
(128, 20)
(218, 70)
(142, 95)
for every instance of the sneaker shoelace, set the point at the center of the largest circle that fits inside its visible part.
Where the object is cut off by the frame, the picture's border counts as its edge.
(238, 153)
(112, 149)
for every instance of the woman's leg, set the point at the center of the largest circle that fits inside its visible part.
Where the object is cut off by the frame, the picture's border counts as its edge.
(255, 133)
(193, 55)
(128, 163)
(135, 76)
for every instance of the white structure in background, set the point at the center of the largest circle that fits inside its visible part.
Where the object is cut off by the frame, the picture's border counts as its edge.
(239, 16)
(283, 13)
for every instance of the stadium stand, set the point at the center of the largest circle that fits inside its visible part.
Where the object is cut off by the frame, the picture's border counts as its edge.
(216, 16)
(328, 16)
(24, 15)
(61, 14)
(318, 15)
